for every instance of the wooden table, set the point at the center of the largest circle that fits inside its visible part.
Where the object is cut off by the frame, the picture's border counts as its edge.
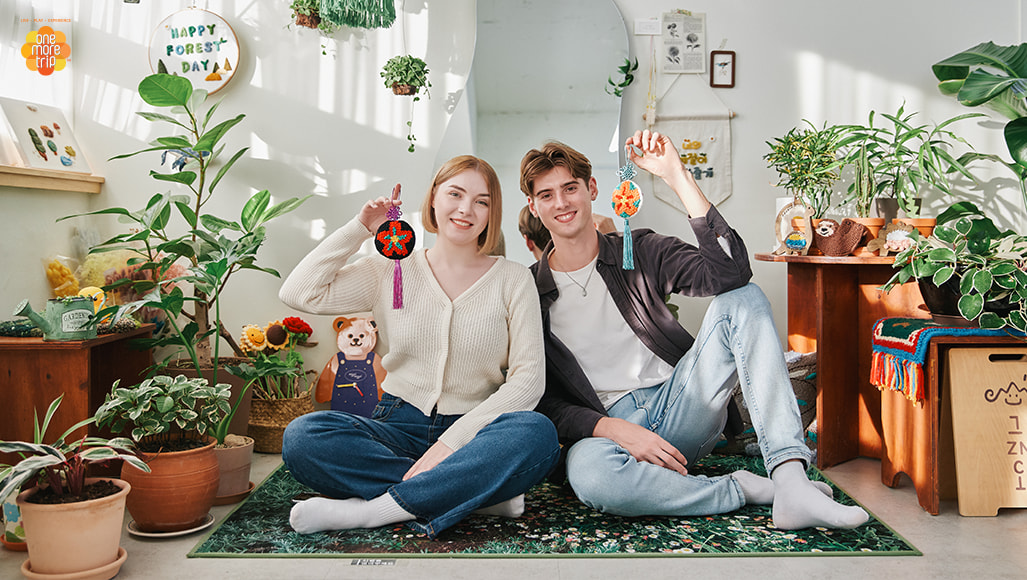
(833, 304)
(918, 438)
(34, 372)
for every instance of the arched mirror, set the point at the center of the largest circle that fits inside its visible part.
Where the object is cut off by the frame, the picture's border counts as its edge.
(540, 72)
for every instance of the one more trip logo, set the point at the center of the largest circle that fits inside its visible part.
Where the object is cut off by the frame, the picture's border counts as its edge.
(46, 50)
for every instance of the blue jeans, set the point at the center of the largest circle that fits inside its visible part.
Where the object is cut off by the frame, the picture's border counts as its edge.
(737, 339)
(343, 455)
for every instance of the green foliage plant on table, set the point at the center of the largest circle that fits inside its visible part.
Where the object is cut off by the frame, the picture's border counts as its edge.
(897, 160)
(966, 248)
(60, 466)
(163, 409)
(627, 72)
(172, 230)
(276, 371)
(993, 76)
(407, 75)
(808, 163)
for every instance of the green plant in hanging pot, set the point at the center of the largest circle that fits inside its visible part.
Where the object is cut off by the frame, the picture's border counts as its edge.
(72, 522)
(968, 258)
(808, 162)
(406, 75)
(993, 76)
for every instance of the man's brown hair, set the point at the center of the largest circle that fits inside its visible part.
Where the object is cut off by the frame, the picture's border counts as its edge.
(553, 154)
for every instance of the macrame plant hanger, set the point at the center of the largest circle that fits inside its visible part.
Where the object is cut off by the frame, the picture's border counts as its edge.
(359, 13)
(395, 240)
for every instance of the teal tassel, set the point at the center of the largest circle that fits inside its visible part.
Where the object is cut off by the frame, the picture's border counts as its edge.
(629, 253)
(359, 13)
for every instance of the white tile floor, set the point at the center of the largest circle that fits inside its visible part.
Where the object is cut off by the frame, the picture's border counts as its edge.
(953, 547)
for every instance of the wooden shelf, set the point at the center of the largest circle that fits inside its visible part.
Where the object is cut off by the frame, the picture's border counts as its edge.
(793, 259)
(49, 179)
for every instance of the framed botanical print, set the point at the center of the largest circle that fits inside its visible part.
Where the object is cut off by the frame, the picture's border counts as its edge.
(722, 68)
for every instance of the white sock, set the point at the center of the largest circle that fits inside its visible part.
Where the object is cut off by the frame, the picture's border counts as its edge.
(760, 490)
(319, 514)
(797, 505)
(511, 508)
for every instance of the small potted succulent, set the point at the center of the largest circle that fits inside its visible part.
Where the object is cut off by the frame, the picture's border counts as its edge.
(170, 419)
(79, 517)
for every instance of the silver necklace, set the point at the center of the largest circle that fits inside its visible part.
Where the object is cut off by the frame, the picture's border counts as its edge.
(584, 291)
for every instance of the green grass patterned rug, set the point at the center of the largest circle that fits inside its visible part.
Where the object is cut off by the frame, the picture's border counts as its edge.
(555, 524)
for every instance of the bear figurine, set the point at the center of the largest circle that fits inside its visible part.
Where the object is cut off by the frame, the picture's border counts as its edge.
(351, 378)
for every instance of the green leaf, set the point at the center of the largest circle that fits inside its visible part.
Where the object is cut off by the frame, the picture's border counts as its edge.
(209, 140)
(253, 211)
(185, 177)
(990, 320)
(982, 281)
(162, 90)
(224, 169)
(942, 275)
(971, 306)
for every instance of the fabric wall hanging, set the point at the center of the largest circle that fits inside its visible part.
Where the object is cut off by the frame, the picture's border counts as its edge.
(359, 13)
(196, 44)
(704, 142)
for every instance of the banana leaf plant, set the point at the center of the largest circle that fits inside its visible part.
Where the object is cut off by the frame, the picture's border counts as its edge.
(995, 77)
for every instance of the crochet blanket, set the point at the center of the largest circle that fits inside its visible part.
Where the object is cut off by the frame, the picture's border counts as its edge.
(900, 350)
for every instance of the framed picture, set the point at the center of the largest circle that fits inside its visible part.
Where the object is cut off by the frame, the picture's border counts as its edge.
(197, 44)
(43, 137)
(722, 68)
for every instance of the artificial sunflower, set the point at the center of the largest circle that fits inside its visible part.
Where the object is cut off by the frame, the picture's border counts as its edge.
(277, 336)
(253, 339)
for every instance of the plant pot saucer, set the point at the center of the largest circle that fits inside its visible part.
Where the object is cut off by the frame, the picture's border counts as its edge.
(14, 546)
(135, 531)
(105, 572)
(233, 498)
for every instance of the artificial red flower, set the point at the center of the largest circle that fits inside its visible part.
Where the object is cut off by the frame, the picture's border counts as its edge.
(297, 325)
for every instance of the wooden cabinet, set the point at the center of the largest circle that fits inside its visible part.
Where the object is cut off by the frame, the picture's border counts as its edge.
(34, 372)
(833, 304)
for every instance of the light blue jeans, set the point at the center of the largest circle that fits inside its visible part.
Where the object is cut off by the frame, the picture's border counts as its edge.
(737, 339)
(343, 455)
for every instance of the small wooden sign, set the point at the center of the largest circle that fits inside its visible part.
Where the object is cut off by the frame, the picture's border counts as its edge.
(989, 427)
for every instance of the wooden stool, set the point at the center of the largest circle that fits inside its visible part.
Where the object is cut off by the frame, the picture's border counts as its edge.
(989, 428)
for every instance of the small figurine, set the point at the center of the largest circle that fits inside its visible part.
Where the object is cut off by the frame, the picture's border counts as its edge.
(351, 379)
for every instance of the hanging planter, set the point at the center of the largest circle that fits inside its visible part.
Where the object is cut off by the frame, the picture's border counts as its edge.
(307, 13)
(406, 75)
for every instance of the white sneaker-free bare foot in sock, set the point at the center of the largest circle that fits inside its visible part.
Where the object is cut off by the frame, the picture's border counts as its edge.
(799, 504)
(760, 490)
(511, 508)
(320, 514)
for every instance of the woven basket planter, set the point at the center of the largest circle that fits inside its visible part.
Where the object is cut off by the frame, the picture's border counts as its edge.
(269, 417)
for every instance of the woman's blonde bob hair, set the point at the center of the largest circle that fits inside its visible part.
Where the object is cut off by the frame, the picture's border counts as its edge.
(489, 238)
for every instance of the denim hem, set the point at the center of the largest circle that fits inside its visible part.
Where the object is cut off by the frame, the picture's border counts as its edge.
(777, 459)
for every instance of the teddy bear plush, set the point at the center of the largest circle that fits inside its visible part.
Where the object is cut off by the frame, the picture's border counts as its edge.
(351, 378)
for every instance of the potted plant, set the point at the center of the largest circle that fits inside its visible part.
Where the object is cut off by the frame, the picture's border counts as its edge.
(406, 75)
(893, 162)
(990, 75)
(174, 241)
(808, 163)
(281, 389)
(72, 522)
(977, 266)
(169, 419)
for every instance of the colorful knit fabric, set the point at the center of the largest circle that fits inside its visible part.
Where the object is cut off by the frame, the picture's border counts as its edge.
(900, 351)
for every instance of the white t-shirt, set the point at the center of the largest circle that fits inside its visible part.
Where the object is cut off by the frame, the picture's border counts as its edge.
(588, 322)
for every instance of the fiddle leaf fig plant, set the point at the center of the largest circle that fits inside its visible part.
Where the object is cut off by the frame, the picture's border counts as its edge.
(175, 241)
(993, 76)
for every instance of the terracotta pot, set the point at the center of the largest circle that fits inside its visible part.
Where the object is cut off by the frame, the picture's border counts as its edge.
(924, 225)
(73, 538)
(308, 20)
(268, 419)
(234, 464)
(178, 492)
(799, 224)
(404, 90)
(874, 226)
(241, 418)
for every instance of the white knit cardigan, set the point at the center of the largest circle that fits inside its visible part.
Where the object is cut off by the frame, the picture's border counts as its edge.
(479, 355)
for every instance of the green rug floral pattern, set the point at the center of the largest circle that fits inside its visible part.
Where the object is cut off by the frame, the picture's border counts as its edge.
(555, 523)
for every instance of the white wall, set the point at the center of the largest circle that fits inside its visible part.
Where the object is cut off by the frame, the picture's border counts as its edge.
(325, 124)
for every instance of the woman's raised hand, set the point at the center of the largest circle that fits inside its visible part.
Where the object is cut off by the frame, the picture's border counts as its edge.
(375, 211)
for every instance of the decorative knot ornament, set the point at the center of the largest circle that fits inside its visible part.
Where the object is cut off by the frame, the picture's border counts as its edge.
(627, 200)
(395, 240)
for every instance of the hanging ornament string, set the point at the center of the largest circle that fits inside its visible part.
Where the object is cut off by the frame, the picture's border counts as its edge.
(395, 240)
(627, 200)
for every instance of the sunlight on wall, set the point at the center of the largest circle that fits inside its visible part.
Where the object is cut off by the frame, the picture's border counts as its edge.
(853, 93)
(318, 229)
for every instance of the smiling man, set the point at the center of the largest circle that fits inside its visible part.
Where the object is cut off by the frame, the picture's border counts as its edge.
(635, 398)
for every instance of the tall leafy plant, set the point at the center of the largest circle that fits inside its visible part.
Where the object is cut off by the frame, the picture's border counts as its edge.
(995, 77)
(807, 160)
(173, 230)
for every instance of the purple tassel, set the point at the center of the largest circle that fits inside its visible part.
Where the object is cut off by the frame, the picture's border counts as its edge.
(397, 287)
